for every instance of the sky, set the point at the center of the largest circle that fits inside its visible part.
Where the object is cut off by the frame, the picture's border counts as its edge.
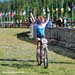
(2, 0)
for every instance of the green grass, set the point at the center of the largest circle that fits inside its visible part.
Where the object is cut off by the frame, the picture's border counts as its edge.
(17, 55)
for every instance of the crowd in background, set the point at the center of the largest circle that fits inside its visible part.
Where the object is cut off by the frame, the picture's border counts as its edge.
(59, 22)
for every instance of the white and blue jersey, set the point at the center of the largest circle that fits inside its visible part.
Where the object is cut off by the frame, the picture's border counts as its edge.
(40, 30)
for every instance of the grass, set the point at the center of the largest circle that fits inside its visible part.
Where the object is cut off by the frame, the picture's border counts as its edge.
(17, 55)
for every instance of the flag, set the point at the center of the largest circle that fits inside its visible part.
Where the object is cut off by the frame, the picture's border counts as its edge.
(48, 9)
(44, 11)
(3, 13)
(0, 14)
(62, 10)
(56, 9)
(24, 12)
(21, 13)
(6, 14)
(12, 14)
(69, 9)
(73, 7)
(9, 13)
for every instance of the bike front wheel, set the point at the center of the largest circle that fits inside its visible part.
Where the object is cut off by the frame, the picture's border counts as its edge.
(45, 58)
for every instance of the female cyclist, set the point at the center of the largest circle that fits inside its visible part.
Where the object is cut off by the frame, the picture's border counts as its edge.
(40, 28)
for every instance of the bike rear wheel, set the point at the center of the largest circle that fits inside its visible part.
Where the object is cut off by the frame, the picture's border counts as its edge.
(39, 60)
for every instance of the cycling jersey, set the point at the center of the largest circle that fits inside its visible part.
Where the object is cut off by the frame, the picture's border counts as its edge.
(40, 30)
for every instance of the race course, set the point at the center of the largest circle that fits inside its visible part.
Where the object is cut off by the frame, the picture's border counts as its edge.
(17, 55)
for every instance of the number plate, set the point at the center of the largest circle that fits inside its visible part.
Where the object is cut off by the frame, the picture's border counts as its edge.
(44, 41)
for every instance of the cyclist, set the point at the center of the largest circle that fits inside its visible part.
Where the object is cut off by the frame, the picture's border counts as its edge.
(40, 28)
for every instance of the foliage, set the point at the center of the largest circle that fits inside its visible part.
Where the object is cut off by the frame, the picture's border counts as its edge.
(37, 5)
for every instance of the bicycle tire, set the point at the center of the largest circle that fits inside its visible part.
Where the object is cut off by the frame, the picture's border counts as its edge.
(46, 58)
(39, 60)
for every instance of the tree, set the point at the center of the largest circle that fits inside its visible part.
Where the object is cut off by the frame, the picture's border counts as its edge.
(37, 6)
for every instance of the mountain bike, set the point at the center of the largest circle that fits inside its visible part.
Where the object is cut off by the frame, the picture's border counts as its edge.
(42, 55)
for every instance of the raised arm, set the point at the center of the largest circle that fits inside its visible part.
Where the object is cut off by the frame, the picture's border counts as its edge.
(48, 16)
(33, 19)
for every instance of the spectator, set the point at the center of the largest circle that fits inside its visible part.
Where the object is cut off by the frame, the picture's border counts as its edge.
(65, 22)
(59, 22)
(18, 23)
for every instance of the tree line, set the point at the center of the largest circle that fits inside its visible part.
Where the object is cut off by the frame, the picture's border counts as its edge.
(57, 8)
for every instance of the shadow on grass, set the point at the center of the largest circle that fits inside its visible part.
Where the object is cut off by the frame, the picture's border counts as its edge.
(16, 63)
(52, 62)
(17, 60)
(25, 36)
(26, 63)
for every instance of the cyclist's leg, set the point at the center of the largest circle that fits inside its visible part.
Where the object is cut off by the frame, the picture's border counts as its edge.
(38, 45)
